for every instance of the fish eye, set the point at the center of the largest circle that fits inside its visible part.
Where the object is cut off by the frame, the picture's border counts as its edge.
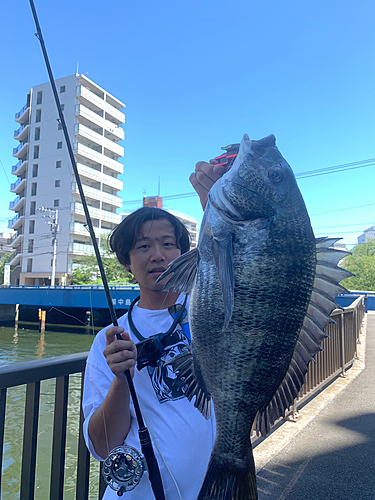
(275, 174)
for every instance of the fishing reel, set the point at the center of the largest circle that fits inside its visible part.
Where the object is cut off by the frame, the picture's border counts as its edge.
(123, 469)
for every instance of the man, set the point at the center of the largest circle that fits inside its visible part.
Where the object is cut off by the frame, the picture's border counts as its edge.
(145, 243)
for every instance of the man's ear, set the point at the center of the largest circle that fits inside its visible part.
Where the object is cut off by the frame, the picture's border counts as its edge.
(127, 267)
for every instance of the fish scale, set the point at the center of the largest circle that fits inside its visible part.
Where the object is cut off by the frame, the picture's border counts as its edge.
(262, 292)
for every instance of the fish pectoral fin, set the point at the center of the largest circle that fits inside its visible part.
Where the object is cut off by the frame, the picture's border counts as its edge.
(318, 315)
(183, 271)
(223, 257)
(183, 366)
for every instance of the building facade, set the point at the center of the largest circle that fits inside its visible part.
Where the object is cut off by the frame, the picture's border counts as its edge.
(45, 179)
(368, 234)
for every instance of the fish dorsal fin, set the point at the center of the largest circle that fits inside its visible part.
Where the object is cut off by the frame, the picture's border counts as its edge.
(222, 250)
(322, 303)
(183, 272)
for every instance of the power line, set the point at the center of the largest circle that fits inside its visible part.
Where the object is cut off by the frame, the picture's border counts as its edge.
(345, 225)
(301, 175)
(342, 209)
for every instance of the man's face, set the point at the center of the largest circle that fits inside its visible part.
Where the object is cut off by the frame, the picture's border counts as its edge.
(155, 247)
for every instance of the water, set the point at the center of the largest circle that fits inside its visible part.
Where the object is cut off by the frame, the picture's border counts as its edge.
(17, 345)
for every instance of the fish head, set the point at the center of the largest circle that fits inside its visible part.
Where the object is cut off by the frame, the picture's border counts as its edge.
(259, 185)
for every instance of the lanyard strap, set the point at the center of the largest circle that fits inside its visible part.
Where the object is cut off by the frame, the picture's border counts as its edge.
(174, 324)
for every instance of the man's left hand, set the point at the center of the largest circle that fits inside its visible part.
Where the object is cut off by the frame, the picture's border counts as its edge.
(204, 177)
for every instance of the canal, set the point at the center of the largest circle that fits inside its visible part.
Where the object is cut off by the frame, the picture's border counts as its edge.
(22, 344)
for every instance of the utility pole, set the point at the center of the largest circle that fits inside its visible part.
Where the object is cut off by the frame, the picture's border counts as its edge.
(53, 214)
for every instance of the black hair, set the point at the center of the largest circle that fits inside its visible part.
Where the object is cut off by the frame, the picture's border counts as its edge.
(122, 238)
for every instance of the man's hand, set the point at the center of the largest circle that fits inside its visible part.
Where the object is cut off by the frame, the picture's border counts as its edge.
(205, 176)
(121, 355)
(110, 423)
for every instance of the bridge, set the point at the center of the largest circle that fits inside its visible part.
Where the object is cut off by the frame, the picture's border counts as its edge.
(85, 306)
(76, 307)
(84, 296)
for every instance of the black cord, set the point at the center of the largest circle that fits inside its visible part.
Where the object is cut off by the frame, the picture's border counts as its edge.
(173, 326)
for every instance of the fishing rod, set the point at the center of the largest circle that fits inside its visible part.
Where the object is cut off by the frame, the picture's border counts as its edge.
(124, 465)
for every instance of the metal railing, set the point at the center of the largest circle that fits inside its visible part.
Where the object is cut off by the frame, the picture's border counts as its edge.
(339, 353)
(32, 373)
(21, 112)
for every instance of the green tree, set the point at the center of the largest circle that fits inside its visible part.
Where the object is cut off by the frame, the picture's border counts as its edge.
(4, 260)
(86, 270)
(362, 264)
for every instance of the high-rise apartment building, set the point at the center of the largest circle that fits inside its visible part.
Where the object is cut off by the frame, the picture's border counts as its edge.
(45, 178)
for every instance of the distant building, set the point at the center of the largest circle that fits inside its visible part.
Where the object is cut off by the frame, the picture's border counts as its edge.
(191, 224)
(44, 176)
(368, 234)
(6, 248)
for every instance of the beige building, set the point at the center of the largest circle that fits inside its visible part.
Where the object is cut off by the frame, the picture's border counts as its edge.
(44, 176)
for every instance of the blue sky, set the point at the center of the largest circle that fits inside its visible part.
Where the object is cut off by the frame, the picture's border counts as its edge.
(197, 75)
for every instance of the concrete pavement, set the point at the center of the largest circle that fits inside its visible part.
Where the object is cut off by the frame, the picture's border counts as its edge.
(330, 453)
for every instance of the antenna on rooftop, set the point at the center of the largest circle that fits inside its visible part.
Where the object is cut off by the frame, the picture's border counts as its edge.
(159, 186)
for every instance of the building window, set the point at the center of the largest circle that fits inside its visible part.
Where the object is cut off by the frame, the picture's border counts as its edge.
(56, 203)
(29, 267)
(31, 226)
(36, 152)
(32, 207)
(58, 164)
(57, 184)
(39, 97)
(37, 134)
(33, 189)
(59, 126)
(59, 145)
(38, 115)
(35, 170)
(62, 107)
(30, 247)
(62, 89)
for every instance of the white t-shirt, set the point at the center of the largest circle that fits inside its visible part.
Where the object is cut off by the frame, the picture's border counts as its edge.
(183, 436)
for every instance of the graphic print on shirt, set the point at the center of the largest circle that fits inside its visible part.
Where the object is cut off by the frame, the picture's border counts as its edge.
(162, 376)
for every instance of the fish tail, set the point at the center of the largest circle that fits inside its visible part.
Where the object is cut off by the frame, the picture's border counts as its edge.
(229, 480)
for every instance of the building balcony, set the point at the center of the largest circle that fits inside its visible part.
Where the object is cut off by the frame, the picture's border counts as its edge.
(96, 194)
(17, 203)
(16, 259)
(16, 222)
(80, 249)
(22, 132)
(96, 212)
(17, 240)
(23, 114)
(91, 135)
(81, 229)
(19, 167)
(86, 94)
(16, 187)
(101, 122)
(91, 154)
(21, 150)
(95, 175)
